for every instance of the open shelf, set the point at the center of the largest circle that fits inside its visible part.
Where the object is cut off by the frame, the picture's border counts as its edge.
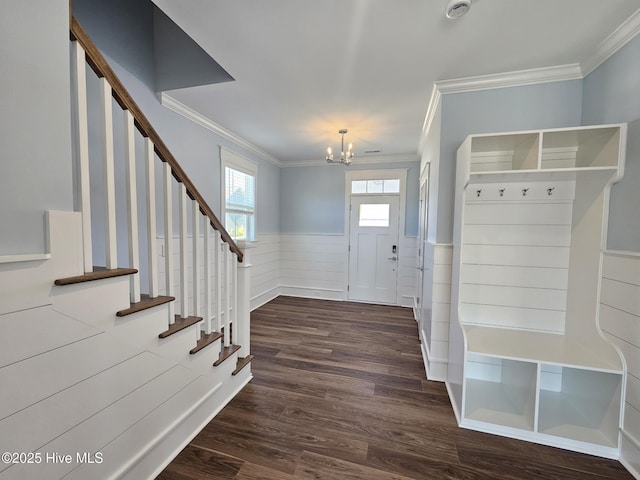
(582, 405)
(505, 152)
(501, 392)
(543, 347)
(580, 148)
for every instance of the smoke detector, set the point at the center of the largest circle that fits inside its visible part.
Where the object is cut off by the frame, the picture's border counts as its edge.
(457, 8)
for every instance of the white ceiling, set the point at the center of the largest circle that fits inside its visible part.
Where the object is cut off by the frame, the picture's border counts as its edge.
(306, 68)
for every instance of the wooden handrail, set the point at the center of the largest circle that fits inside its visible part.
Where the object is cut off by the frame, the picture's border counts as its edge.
(101, 67)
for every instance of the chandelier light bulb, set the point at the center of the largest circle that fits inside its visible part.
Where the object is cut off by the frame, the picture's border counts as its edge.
(345, 157)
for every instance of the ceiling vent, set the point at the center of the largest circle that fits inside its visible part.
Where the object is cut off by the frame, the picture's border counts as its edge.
(457, 8)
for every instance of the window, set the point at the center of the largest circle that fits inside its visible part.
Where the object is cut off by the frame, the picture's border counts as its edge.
(374, 215)
(391, 185)
(239, 192)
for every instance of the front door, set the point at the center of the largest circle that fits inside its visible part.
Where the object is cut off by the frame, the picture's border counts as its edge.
(373, 248)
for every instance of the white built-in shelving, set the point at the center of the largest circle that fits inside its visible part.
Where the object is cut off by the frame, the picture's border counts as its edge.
(529, 228)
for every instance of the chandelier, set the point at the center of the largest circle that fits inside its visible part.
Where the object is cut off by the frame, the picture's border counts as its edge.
(345, 156)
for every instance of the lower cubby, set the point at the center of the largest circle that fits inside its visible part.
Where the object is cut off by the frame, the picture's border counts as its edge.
(500, 391)
(567, 406)
(579, 404)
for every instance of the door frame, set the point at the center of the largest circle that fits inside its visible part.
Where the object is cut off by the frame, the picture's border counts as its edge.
(380, 174)
(423, 222)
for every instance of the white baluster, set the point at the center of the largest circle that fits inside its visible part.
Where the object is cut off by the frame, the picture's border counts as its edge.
(79, 66)
(184, 287)
(228, 281)
(109, 174)
(208, 311)
(152, 230)
(168, 237)
(195, 231)
(132, 200)
(233, 260)
(224, 260)
(219, 263)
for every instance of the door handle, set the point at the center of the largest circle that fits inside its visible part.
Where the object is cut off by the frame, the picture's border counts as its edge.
(393, 258)
(420, 268)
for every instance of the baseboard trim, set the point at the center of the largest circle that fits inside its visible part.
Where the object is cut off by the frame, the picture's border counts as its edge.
(165, 434)
(453, 404)
(201, 425)
(435, 369)
(311, 292)
(265, 297)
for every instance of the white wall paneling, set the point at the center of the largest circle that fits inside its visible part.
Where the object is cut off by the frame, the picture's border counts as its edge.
(265, 270)
(314, 266)
(526, 356)
(434, 323)
(407, 259)
(133, 396)
(620, 322)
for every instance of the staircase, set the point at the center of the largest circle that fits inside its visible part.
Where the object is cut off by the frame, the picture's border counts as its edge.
(108, 371)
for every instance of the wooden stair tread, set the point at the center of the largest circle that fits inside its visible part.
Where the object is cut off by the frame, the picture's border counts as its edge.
(145, 302)
(226, 353)
(98, 273)
(179, 324)
(242, 362)
(205, 340)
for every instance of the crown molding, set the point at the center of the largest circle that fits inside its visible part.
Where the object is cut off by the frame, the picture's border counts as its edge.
(518, 78)
(187, 112)
(365, 160)
(432, 108)
(614, 42)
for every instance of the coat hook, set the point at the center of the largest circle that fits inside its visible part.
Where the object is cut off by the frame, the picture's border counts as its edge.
(478, 192)
(524, 192)
(550, 191)
(501, 192)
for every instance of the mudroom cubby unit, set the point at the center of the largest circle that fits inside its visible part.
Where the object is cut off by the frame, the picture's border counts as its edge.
(529, 226)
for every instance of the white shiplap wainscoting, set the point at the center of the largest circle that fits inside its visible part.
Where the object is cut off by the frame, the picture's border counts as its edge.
(314, 266)
(620, 322)
(515, 274)
(407, 261)
(299, 265)
(434, 328)
(265, 270)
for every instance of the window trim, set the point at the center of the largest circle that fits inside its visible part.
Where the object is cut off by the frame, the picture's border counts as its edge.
(232, 160)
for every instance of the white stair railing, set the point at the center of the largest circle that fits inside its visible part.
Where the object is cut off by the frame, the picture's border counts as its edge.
(208, 256)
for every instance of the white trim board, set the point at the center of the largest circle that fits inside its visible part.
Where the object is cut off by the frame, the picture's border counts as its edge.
(575, 71)
(196, 117)
(511, 79)
(24, 257)
(614, 42)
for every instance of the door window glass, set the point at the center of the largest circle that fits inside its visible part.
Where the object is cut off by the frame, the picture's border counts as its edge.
(374, 215)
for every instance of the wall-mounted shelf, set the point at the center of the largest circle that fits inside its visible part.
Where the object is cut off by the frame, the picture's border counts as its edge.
(529, 224)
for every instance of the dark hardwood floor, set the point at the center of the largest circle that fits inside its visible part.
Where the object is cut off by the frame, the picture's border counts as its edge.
(339, 393)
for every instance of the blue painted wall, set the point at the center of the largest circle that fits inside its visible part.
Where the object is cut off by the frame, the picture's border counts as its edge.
(612, 95)
(547, 105)
(35, 124)
(312, 199)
